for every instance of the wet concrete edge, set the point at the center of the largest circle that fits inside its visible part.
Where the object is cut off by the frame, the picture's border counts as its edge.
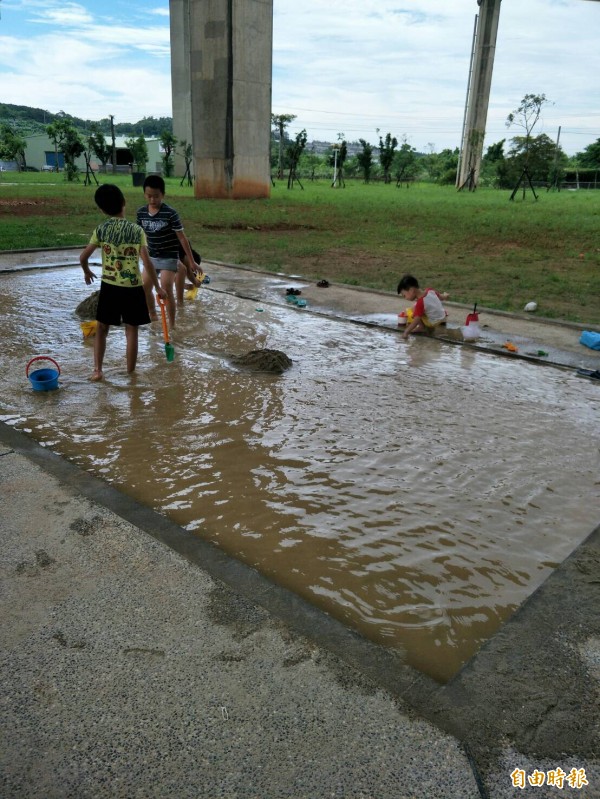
(528, 686)
(450, 303)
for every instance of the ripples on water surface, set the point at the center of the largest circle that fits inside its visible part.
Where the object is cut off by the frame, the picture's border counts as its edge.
(417, 491)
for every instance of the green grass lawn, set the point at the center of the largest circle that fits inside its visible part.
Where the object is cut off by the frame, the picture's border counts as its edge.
(480, 246)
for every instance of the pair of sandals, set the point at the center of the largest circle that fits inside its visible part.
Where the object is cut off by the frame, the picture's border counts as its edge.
(293, 299)
(322, 284)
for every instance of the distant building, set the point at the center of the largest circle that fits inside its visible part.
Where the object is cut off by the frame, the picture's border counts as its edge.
(40, 154)
(321, 147)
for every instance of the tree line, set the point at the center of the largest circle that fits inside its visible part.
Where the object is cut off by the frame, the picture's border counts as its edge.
(502, 166)
(503, 163)
(28, 121)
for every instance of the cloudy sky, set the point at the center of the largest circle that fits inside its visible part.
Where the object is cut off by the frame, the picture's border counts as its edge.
(342, 66)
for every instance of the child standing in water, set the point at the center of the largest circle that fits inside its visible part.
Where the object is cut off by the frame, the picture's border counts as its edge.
(165, 234)
(428, 311)
(122, 297)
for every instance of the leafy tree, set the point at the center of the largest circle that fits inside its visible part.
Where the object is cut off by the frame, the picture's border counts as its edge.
(280, 122)
(67, 141)
(72, 148)
(12, 146)
(352, 168)
(541, 156)
(439, 166)
(139, 151)
(294, 151)
(387, 148)
(309, 163)
(99, 146)
(495, 152)
(494, 170)
(152, 127)
(365, 159)
(448, 165)
(405, 162)
(168, 141)
(89, 172)
(431, 163)
(590, 157)
(187, 152)
(526, 116)
(55, 133)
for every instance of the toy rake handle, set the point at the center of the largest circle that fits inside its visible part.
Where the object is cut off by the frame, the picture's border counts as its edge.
(41, 358)
(163, 314)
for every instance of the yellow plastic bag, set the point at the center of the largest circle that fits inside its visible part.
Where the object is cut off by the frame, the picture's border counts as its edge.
(89, 328)
(190, 294)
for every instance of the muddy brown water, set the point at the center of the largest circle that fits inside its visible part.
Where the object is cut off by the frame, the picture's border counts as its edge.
(416, 491)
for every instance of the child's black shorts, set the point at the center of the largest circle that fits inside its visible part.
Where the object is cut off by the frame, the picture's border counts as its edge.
(196, 254)
(118, 304)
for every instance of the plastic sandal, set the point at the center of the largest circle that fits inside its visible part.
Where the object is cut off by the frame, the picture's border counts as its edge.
(593, 373)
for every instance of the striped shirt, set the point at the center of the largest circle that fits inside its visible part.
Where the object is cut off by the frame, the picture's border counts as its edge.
(161, 230)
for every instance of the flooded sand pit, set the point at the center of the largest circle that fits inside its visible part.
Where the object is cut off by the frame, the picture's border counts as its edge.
(416, 491)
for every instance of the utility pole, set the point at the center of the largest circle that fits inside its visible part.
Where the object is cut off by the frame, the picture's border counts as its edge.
(555, 181)
(114, 147)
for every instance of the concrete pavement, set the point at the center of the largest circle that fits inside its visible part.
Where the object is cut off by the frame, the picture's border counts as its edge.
(141, 661)
(129, 670)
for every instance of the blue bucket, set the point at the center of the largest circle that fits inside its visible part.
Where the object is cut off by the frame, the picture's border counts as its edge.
(43, 379)
(590, 339)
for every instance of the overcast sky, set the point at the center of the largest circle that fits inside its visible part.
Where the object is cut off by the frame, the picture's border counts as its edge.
(342, 66)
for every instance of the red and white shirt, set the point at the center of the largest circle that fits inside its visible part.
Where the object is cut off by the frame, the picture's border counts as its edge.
(429, 307)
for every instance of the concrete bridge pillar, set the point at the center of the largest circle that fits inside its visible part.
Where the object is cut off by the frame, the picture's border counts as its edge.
(221, 53)
(480, 81)
(181, 88)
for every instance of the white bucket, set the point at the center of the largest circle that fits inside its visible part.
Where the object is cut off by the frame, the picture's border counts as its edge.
(471, 331)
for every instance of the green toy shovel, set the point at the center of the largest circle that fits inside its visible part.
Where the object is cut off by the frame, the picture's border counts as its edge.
(169, 348)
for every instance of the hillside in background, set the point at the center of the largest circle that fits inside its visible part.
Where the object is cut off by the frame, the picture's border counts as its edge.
(27, 121)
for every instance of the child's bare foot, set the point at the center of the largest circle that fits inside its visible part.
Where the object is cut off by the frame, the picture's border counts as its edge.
(96, 375)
